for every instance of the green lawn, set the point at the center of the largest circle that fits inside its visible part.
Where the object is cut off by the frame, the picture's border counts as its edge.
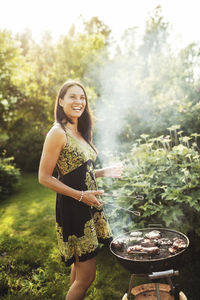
(30, 265)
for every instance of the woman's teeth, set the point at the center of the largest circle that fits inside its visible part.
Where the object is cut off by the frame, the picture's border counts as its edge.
(77, 108)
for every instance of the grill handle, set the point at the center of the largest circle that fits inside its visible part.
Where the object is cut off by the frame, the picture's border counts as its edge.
(163, 274)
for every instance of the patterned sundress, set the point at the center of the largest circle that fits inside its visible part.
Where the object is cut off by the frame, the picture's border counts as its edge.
(80, 228)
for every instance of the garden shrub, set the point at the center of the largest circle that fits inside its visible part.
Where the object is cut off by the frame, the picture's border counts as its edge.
(26, 146)
(165, 172)
(190, 118)
(9, 176)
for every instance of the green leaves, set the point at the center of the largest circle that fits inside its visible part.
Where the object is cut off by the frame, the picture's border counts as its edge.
(167, 177)
(31, 74)
(9, 176)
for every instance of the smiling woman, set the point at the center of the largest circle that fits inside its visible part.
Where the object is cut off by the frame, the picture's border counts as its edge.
(73, 101)
(80, 219)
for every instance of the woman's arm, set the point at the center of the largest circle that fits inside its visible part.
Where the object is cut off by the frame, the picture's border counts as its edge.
(54, 143)
(113, 171)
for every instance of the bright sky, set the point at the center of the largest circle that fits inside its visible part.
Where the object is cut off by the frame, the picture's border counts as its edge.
(58, 15)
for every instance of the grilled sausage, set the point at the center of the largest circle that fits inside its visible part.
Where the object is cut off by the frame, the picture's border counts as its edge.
(145, 250)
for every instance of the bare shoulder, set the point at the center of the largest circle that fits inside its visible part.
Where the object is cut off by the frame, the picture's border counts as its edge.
(56, 135)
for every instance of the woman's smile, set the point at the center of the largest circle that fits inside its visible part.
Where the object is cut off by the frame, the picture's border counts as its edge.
(74, 102)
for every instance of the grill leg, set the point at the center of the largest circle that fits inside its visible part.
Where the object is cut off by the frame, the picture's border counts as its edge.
(174, 289)
(171, 285)
(158, 291)
(130, 287)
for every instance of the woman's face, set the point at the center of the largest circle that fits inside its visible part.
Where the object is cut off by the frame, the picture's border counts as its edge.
(74, 102)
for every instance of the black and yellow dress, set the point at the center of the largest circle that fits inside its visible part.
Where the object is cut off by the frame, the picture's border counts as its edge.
(80, 228)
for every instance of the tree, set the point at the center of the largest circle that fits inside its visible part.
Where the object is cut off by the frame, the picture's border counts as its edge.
(32, 74)
(10, 95)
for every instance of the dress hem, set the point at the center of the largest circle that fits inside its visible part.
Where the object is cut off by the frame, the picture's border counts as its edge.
(81, 258)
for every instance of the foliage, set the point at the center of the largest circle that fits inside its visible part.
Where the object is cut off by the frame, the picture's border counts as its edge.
(165, 173)
(10, 58)
(9, 176)
(191, 112)
(118, 78)
(147, 87)
(161, 181)
(31, 74)
(27, 146)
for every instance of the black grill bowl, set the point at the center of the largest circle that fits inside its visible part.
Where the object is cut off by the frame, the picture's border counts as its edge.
(153, 265)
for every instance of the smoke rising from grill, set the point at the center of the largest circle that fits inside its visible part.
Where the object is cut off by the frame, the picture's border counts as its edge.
(120, 99)
(137, 95)
(124, 108)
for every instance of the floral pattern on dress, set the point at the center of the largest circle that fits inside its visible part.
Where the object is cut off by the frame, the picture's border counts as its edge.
(78, 245)
(73, 155)
(102, 228)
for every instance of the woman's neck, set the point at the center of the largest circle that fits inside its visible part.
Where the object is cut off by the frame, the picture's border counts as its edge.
(72, 127)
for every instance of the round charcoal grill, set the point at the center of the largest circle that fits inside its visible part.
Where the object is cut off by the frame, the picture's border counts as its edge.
(146, 264)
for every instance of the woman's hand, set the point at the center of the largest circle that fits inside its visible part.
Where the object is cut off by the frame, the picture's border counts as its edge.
(112, 171)
(89, 197)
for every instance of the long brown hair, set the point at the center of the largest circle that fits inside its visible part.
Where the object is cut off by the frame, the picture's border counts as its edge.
(85, 120)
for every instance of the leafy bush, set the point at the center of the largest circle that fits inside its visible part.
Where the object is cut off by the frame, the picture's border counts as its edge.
(26, 146)
(190, 119)
(9, 176)
(164, 171)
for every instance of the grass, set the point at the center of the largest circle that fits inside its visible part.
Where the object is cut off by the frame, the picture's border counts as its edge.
(30, 265)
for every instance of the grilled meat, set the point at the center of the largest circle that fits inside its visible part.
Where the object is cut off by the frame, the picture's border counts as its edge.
(178, 245)
(155, 234)
(149, 243)
(172, 250)
(145, 250)
(133, 240)
(164, 241)
(136, 234)
(136, 248)
(119, 244)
